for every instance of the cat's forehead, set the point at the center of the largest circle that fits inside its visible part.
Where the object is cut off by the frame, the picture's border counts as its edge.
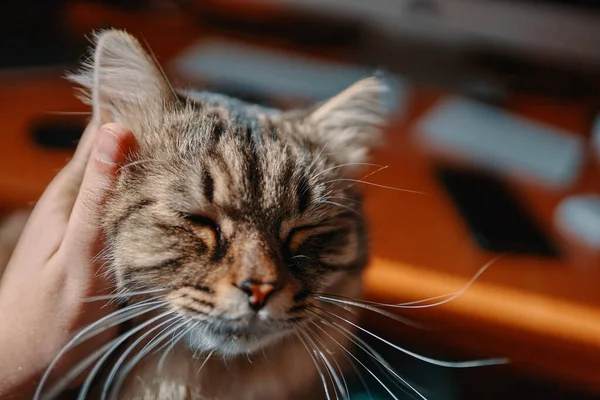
(234, 158)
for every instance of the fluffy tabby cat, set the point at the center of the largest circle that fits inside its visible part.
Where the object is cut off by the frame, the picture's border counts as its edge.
(228, 221)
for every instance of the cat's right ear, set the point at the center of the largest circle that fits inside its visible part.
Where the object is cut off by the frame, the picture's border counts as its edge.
(122, 81)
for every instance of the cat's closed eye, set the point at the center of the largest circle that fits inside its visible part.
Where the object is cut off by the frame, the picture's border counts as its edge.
(300, 235)
(205, 228)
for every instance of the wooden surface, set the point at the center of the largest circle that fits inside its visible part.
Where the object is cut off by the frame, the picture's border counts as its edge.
(543, 314)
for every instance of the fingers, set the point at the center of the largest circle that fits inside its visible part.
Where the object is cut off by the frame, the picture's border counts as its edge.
(47, 223)
(111, 146)
(62, 191)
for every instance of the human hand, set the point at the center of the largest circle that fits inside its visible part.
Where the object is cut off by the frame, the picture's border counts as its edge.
(53, 269)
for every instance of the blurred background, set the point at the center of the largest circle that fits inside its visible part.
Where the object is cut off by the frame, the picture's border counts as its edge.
(497, 124)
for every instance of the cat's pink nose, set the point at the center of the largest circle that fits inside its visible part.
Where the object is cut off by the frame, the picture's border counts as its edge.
(258, 292)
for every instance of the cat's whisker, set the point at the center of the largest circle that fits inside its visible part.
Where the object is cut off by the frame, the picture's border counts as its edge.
(113, 372)
(123, 295)
(346, 165)
(168, 347)
(139, 162)
(328, 368)
(419, 303)
(440, 363)
(319, 155)
(131, 312)
(372, 173)
(73, 373)
(364, 346)
(101, 354)
(205, 361)
(339, 375)
(365, 368)
(314, 360)
(345, 198)
(90, 331)
(358, 374)
(339, 303)
(92, 374)
(102, 254)
(376, 185)
(153, 343)
(68, 112)
(342, 206)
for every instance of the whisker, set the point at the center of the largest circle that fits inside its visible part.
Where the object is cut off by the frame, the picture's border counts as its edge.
(344, 198)
(340, 379)
(153, 304)
(359, 375)
(447, 364)
(316, 159)
(419, 303)
(328, 368)
(61, 385)
(345, 165)
(314, 360)
(89, 332)
(117, 365)
(138, 162)
(88, 381)
(335, 301)
(372, 173)
(134, 361)
(364, 346)
(170, 345)
(376, 185)
(205, 361)
(366, 369)
(68, 112)
(122, 295)
(342, 206)
(453, 295)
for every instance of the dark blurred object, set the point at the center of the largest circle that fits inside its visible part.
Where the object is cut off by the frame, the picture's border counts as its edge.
(32, 34)
(496, 219)
(487, 49)
(593, 5)
(308, 28)
(58, 131)
(535, 77)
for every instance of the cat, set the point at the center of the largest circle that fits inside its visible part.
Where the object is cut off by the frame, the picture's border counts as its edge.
(226, 224)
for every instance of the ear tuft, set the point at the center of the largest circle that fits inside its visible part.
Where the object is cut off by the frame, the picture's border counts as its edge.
(121, 78)
(352, 123)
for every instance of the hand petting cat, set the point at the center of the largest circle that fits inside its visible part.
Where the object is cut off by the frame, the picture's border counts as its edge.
(52, 272)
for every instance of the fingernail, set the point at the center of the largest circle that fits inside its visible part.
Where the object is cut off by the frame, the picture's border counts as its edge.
(107, 147)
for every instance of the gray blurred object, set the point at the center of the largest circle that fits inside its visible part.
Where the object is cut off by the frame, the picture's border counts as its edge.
(493, 139)
(266, 76)
(579, 218)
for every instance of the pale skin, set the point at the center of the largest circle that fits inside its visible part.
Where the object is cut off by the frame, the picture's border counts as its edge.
(53, 270)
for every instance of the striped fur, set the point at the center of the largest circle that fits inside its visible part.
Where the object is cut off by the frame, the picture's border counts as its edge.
(220, 192)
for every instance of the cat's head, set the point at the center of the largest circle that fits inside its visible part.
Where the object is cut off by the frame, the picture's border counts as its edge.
(238, 214)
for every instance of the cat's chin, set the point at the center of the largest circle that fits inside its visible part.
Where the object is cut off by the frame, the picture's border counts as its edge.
(230, 344)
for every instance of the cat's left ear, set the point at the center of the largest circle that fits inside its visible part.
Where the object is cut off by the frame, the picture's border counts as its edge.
(122, 81)
(350, 124)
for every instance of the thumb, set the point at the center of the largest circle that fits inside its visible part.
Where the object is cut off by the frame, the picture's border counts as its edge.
(112, 144)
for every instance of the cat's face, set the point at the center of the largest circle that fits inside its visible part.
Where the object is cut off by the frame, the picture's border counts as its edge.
(238, 214)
